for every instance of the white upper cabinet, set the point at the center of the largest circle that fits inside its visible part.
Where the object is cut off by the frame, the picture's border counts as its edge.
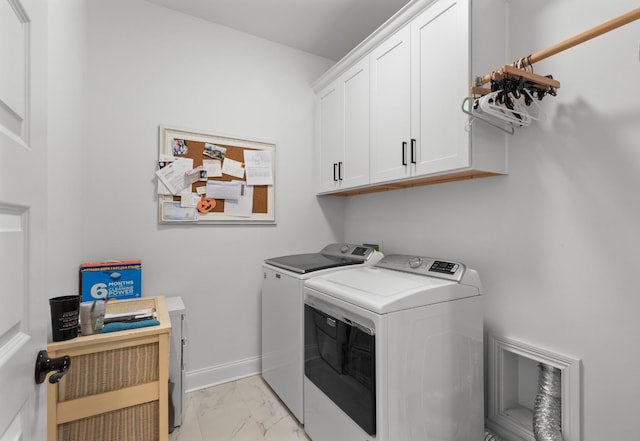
(343, 131)
(440, 81)
(419, 73)
(419, 77)
(391, 107)
(330, 146)
(356, 93)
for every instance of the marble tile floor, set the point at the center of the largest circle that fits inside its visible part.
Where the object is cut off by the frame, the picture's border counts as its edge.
(241, 410)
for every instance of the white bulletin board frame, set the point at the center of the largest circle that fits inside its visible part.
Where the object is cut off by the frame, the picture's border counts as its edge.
(168, 206)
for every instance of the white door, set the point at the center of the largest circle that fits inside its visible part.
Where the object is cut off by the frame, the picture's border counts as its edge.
(391, 108)
(24, 313)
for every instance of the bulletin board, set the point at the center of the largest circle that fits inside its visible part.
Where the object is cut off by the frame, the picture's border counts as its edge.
(217, 165)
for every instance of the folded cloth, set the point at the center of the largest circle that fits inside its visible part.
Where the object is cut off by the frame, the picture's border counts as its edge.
(121, 326)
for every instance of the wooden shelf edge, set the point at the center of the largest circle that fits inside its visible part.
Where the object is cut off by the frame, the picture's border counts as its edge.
(431, 180)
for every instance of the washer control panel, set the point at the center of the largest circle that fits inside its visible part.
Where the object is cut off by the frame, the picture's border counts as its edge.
(355, 252)
(441, 266)
(426, 266)
(361, 251)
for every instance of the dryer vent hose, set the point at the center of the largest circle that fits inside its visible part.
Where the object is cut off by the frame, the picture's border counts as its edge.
(547, 416)
(489, 436)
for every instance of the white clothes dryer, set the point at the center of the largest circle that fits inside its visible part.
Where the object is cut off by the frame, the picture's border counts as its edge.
(283, 309)
(394, 352)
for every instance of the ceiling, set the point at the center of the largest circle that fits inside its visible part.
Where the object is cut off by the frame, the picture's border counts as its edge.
(328, 28)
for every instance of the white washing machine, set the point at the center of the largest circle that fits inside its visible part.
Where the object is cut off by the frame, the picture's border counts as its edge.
(393, 352)
(283, 309)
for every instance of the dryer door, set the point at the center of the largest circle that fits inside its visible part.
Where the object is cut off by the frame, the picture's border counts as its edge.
(340, 361)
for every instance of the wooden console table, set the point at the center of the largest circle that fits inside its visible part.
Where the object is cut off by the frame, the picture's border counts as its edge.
(117, 386)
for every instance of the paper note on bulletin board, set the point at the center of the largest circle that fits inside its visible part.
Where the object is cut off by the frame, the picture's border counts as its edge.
(214, 165)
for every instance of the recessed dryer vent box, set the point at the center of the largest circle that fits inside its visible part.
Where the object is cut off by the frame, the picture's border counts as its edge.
(513, 384)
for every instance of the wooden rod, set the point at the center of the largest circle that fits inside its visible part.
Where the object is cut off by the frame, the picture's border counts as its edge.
(576, 40)
(585, 36)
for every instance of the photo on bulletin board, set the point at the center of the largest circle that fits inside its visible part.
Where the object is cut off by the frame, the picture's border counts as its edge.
(207, 178)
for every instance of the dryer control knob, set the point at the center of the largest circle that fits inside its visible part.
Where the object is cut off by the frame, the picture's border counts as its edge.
(415, 262)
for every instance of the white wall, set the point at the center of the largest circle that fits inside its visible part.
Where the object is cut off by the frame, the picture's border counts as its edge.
(556, 241)
(66, 134)
(149, 66)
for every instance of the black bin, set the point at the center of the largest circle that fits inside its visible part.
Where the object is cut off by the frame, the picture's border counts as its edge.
(64, 317)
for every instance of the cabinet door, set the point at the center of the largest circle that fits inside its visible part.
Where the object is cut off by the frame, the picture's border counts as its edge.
(440, 81)
(355, 85)
(391, 107)
(330, 136)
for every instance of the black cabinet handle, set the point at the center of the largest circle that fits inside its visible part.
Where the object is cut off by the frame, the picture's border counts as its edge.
(404, 153)
(413, 151)
(334, 171)
(339, 171)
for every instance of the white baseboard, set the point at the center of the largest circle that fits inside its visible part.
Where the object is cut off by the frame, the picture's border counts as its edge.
(214, 375)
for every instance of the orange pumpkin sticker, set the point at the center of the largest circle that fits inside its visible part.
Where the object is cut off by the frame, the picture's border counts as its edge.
(205, 204)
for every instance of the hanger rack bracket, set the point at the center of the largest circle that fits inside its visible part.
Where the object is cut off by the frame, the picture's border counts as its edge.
(527, 80)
